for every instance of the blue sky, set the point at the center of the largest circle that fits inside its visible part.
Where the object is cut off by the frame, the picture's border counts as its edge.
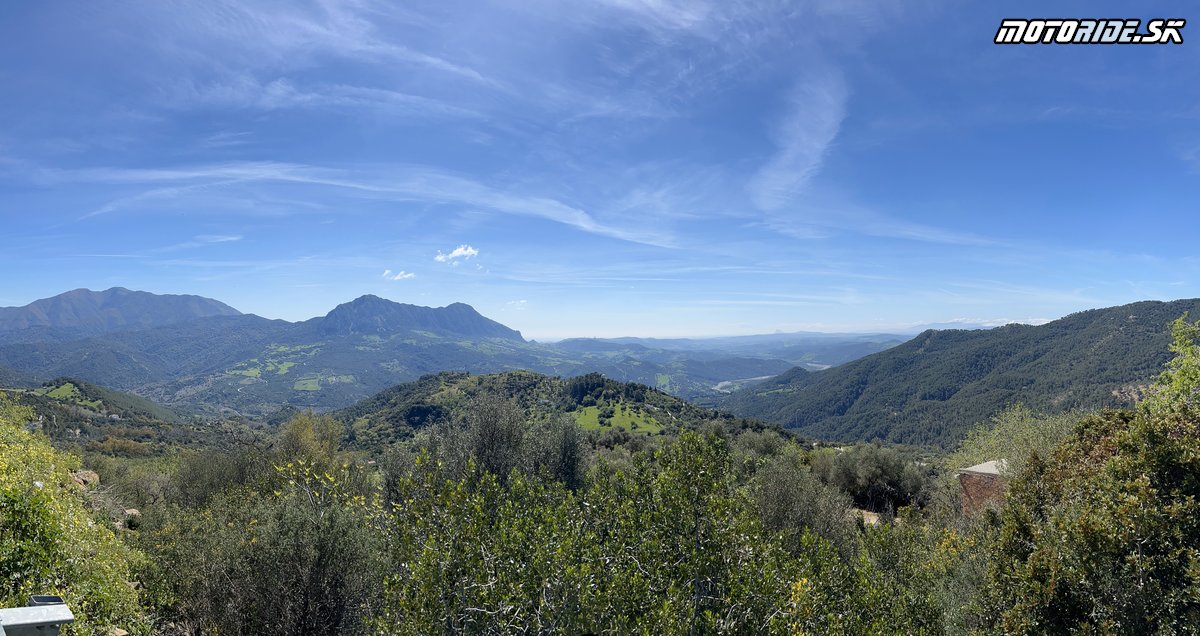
(599, 167)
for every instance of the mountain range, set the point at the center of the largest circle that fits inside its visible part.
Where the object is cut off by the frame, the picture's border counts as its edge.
(201, 356)
(216, 360)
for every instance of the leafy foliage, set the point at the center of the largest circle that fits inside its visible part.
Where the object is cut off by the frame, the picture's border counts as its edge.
(876, 478)
(1013, 436)
(670, 547)
(51, 542)
(1104, 534)
(1177, 393)
(793, 503)
(278, 540)
(299, 559)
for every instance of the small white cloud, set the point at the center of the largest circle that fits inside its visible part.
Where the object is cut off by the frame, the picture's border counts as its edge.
(400, 275)
(518, 305)
(460, 252)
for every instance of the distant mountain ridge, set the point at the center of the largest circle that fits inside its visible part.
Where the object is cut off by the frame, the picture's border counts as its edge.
(932, 389)
(249, 365)
(374, 315)
(801, 348)
(246, 364)
(83, 312)
(235, 358)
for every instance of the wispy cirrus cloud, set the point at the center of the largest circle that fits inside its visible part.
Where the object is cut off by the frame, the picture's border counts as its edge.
(671, 14)
(156, 194)
(394, 182)
(225, 139)
(200, 240)
(245, 91)
(268, 35)
(218, 238)
(817, 216)
(815, 111)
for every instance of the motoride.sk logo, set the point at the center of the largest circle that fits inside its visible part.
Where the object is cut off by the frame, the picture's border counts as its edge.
(1102, 31)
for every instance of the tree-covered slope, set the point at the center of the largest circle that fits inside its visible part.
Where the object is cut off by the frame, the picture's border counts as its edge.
(935, 387)
(10, 377)
(597, 403)
(103, 401)
(81, 415)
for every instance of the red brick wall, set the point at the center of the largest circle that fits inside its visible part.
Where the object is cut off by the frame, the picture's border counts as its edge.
(978, 490)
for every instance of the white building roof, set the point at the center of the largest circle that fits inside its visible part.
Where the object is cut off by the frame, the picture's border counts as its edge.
(994, 467)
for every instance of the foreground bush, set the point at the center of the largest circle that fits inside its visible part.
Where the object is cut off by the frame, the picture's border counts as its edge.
(1103, 536)
(51, 543)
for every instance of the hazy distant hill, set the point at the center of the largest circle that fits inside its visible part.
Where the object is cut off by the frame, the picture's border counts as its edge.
(130, 359)
(807, 349)
(935, 387)
(83, 312)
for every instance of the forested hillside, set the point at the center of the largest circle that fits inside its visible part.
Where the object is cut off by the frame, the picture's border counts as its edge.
(83, 416)
(934, 388)
(597, 404)
(9, 377)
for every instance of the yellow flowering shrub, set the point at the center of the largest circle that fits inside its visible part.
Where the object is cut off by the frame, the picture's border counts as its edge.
(50, 543)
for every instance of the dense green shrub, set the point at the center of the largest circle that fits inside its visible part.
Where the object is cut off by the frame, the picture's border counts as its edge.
(51, 543)
(673, 546)
(1103, 536)
(876, 477)
(302, 559)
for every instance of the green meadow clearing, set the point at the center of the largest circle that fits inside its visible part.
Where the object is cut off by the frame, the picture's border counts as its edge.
(623, 418)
